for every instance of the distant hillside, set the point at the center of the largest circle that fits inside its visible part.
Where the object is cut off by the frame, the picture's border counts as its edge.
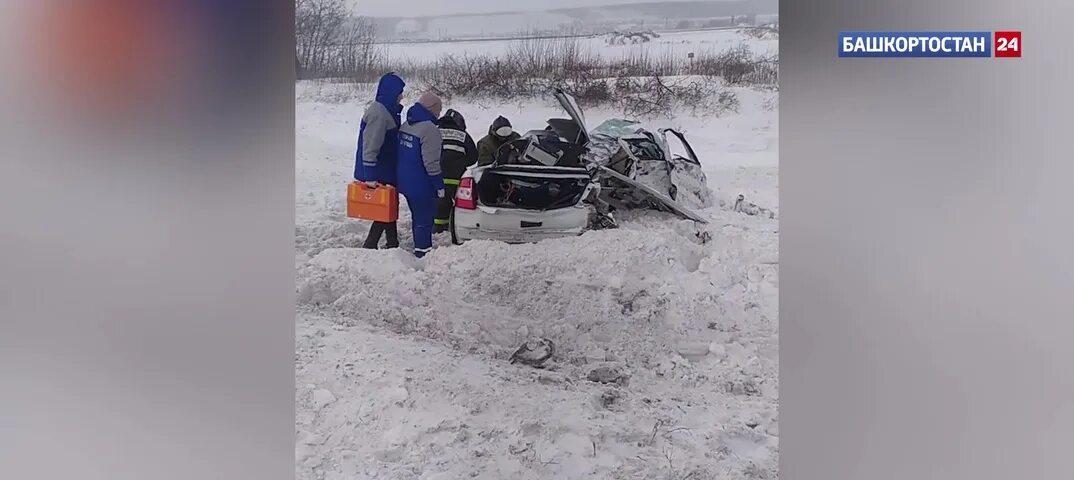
(659, 9)
(581, 20)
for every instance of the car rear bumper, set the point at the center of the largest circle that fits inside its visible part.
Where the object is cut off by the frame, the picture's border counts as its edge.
(505, 225)
(515, 237)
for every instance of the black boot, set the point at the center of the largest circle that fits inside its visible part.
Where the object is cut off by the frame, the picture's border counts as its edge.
(373, 239)
(392, 234)
(443, 209)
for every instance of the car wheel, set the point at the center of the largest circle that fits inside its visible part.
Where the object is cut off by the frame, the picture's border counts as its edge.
(451, 226)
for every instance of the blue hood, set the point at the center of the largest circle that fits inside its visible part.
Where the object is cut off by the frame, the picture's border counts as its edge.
(388, 91)
(418, 113)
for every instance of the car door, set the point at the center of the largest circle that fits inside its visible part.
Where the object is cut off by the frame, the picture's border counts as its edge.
(622, 189)
(689, 183)
(571, 106)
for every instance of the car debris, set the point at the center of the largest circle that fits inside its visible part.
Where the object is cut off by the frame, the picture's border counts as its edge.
(750, 208)
(623, 192)
(534, 352)
(608, 374)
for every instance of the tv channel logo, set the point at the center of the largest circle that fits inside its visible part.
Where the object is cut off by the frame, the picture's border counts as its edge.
(1001, 44)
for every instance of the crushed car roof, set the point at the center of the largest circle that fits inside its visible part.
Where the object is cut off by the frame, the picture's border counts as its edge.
(643, 191)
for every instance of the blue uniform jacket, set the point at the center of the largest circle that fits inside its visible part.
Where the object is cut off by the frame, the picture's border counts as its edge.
(419, 154)
(378, 135)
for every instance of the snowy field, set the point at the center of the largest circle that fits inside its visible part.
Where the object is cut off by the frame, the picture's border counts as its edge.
(402, 364)
(675, 43)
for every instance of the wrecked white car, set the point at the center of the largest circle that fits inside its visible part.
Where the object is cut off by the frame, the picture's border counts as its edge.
(643, 160)
(533, 190)
(563, 180)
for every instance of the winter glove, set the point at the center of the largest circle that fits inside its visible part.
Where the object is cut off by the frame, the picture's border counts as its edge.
(440, 193)
(370, 184)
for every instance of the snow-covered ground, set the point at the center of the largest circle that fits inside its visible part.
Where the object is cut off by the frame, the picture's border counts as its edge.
(674, 43)
(402, 364)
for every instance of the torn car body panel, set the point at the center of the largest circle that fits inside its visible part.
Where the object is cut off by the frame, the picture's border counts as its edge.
(688, 181)
(644, 155)
(624, 192)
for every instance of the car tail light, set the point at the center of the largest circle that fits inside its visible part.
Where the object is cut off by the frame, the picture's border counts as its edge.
(464, 196)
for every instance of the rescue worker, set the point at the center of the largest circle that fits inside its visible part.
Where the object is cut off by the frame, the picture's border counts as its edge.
(378, 150)
(459, 153)
(500, 132)
(420, 178)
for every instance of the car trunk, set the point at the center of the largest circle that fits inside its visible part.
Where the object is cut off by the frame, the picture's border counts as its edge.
(532, 187)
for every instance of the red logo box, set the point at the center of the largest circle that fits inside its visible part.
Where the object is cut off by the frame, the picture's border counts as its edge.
(1007, 44)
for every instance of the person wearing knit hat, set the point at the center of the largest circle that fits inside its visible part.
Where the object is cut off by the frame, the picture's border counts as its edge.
(419, 175)
(500, 132)
(432, 102)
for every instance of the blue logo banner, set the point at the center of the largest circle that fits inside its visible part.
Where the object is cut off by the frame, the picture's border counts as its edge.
(915, 44)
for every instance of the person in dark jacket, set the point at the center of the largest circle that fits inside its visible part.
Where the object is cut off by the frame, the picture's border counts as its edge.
(500, 132)
(378, 147)
(420, 177)
(458, 154)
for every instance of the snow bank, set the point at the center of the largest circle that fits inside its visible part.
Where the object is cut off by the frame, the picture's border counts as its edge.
(690, 325)
(605, 287)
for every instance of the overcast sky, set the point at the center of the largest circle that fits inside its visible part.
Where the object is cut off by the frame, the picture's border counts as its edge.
(416, 8)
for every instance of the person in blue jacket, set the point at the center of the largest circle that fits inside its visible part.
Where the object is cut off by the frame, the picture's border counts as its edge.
(378, 142)
(420, 178)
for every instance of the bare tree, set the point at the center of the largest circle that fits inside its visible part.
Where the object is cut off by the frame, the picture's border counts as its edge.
(330, 41)
(317, 23)
(358, 53)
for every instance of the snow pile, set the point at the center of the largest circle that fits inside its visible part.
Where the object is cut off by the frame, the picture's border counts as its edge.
(763, 32)
(665, 345)
(665, 334)
(631, 38)
(655, 283)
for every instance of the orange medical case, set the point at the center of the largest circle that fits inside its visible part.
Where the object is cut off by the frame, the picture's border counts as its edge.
(379, 204)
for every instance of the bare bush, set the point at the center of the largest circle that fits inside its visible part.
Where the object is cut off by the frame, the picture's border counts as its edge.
(738, 66)
(766, 32)
(641, 85)
(646, 97)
